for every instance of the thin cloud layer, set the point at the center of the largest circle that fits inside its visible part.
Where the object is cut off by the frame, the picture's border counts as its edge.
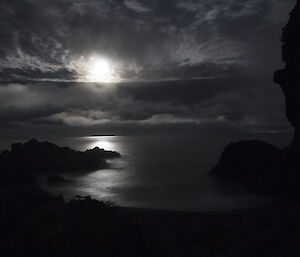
(196, 104)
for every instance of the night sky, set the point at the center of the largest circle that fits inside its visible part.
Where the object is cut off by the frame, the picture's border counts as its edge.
(115, 66)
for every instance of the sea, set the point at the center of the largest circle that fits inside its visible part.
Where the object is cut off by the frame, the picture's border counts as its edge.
(158, 171)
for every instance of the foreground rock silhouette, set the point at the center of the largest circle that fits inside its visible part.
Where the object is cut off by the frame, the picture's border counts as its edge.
(258, 166)
(34, 223)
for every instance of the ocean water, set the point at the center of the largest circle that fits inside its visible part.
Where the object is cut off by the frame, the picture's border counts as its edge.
(162, 171)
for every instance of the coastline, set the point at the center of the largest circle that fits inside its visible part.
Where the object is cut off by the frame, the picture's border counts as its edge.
(98, 227)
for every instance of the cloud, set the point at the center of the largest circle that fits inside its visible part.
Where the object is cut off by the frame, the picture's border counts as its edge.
(190, 104)
(136, 6)
(182, 64)
(43, 39)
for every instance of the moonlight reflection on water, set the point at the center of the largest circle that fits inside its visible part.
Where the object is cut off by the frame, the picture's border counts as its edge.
(106, 142)
(101, 184)
(169, 172)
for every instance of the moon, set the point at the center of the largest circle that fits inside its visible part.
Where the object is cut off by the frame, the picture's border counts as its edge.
(100, 70)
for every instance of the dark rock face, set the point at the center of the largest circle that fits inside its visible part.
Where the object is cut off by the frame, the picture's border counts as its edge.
(252, 163)
(289, 78)
(34, 156)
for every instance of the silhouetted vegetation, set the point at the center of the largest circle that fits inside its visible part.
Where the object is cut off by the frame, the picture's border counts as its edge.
(34, 223)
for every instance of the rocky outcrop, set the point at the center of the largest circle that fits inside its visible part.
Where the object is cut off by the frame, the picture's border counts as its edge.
(288, 78)
(36, 157)
(251, 163)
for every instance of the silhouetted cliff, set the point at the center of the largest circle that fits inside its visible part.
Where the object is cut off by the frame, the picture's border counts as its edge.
(288, 78)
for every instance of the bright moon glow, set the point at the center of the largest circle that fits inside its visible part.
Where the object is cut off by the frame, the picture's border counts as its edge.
(100, 70)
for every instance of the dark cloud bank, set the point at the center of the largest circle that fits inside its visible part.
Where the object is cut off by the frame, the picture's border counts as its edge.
(182, 65)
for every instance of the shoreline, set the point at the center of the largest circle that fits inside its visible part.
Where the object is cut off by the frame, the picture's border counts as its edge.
(99, 227)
